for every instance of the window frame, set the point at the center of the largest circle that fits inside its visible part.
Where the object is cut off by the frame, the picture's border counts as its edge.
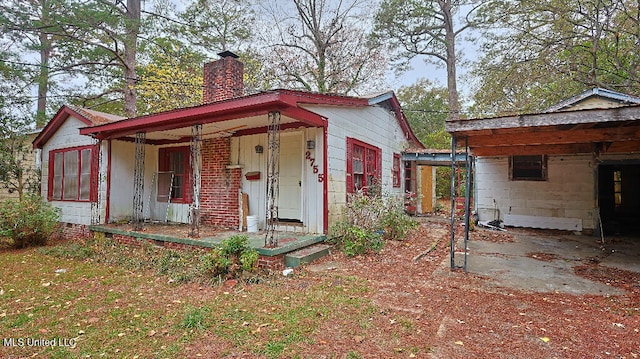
(516, 163)
(396, 166)
(164, 165)
(80, 173)
(367, 162)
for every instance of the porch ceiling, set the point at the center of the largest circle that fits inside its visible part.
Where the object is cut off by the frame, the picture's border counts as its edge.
(588, 131)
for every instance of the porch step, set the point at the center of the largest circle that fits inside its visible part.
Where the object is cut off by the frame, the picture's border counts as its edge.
(306, 255)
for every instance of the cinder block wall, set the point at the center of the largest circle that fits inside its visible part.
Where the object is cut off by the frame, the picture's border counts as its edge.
(568, 192)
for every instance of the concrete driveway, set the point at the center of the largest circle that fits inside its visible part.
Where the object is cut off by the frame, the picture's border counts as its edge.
(542, 262)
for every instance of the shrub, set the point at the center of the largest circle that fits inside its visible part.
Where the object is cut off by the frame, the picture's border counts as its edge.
(368, 220)
(213, 263)
(234, 257)
(29, 222)
(395, 222)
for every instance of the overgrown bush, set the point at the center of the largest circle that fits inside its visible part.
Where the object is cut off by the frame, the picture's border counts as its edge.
(29, 222)
(395, 223)
(231, 259)
(368, 220)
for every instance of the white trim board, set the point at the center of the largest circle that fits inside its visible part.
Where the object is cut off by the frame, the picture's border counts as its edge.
(567, 224)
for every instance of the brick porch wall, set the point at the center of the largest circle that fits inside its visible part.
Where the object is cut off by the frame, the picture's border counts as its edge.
(73, 231)
(273, 263)
(220, 185)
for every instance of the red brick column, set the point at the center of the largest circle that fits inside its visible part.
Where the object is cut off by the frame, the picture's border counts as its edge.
(219, 204)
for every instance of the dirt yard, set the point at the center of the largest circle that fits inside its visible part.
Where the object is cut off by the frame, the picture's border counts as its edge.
(424, 310)
(379, 306)
(463, 316)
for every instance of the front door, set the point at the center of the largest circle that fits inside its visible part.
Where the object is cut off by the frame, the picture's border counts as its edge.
(290, 196)
(619, 197)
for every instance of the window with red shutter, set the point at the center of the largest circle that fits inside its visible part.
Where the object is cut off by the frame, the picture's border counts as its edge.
(363, 165)
(71, 174)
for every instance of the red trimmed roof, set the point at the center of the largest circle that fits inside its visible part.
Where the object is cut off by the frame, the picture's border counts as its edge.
(88, 117)
(104, 126)
(285, 101)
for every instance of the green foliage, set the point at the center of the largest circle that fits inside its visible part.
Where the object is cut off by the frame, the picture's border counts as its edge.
(249, 260)
(357, 241)
(172, 79)
(426, 106)
(369, 220)
(29, 222)
(213, 263)
(195, 318)
(537, 53)
(395, 221)
(238, 256)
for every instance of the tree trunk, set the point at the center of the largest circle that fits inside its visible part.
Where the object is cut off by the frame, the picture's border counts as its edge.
(450, 43)
(43, 78)
(130, 50)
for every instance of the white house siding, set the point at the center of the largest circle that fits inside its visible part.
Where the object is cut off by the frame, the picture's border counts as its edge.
(373, 125)
(122, 168)
(568, 192)
(65, 137)
(243, 154)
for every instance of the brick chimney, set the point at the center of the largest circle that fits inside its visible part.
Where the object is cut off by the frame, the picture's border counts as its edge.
(223, 79)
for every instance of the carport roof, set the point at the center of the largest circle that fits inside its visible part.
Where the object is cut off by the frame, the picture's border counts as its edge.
(611, 130)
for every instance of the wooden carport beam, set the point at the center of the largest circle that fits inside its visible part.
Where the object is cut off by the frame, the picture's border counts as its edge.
(531, 150)
(622, 114)
(563, 149)
(557, 137)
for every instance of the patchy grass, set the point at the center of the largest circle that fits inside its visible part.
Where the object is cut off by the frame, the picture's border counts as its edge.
(118, 305)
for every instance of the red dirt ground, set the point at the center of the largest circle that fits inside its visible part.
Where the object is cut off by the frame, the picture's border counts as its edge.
(447, 314)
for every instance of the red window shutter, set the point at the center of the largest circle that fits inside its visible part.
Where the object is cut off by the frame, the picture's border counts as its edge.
(95, 172)
(378, 164)
(50, 178)
(349, 159)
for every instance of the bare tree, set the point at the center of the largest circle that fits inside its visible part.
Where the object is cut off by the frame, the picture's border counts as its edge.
(324, 46)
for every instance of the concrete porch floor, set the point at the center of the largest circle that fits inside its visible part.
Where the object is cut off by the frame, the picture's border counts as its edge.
(545, 262)
(287, 242)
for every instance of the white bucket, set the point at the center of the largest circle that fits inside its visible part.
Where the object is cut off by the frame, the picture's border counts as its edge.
(252, 224)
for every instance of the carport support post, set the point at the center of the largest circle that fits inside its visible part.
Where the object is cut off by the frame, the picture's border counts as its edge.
(467, 200)
(453, 202)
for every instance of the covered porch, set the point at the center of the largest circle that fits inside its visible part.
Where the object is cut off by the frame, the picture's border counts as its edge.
(218, 164)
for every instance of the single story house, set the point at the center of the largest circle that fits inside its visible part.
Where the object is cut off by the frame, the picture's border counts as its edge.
(575, 166)
(282, 154)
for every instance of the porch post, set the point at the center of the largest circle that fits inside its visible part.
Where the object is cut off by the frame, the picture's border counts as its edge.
(96, 182)
(196, 166)
(138, 182)
(273, 178)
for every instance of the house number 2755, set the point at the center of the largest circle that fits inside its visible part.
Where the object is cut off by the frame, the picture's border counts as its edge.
(314, 166)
